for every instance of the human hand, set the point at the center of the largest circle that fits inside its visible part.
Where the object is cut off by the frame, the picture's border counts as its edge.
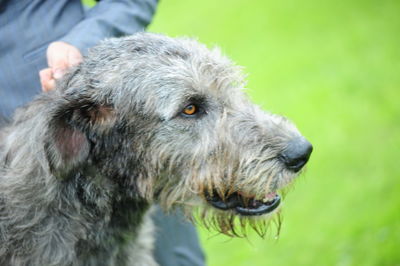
(60, 57)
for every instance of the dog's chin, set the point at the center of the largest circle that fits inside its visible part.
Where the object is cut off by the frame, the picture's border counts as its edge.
(245, 205)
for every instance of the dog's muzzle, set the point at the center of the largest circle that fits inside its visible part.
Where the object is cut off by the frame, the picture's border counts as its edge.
(243, 205)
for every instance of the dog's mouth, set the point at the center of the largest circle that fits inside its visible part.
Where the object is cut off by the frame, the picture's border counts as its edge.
(245, 205)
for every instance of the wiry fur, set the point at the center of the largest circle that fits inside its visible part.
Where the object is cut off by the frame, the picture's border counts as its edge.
(79, 166)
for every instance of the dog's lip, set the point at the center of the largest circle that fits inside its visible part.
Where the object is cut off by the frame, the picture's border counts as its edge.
(260, 207)
(246, 206)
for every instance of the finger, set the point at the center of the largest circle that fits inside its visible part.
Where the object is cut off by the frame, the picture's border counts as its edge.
(46, 79)
(57, 58)
(49, 85)
(74, 57)
(45, 75)
(59, 71)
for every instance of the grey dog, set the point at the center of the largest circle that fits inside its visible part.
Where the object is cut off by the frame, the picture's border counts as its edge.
(143, 119)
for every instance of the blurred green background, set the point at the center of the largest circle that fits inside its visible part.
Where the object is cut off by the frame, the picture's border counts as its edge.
(332, 67)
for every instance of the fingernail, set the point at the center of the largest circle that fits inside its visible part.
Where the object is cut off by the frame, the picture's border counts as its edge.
(58, 73)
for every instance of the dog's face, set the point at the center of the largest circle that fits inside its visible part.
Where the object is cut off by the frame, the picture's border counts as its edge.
(171, 120)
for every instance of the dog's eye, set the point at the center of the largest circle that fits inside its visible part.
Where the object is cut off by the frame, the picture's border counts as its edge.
(191, 109)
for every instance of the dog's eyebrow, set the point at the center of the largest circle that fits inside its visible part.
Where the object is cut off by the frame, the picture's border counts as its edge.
(174, 107)
(196, 99)
(192, 99)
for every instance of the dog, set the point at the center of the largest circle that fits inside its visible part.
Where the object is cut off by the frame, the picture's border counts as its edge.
(144, 119)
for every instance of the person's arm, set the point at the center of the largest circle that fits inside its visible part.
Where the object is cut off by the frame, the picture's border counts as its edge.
(110, 18)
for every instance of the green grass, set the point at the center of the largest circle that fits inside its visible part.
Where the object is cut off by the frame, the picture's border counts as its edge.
(333, 67)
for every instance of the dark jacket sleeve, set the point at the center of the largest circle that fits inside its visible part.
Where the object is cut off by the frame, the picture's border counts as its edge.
(111, 18)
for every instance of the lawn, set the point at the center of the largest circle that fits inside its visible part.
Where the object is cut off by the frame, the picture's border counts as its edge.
(332, 67)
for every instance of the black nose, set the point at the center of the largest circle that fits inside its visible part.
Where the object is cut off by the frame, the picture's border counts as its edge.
(296, 153)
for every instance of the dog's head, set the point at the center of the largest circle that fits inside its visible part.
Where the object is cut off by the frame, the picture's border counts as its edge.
(167, 120)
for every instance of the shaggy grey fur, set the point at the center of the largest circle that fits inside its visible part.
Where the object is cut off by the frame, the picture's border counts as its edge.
(81, 165)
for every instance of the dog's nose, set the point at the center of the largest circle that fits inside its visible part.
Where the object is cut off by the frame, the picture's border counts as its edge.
(296, 153)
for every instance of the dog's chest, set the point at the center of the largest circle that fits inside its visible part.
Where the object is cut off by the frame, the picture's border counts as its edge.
(112, 224)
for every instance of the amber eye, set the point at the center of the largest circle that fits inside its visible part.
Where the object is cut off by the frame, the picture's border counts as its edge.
(191, 109)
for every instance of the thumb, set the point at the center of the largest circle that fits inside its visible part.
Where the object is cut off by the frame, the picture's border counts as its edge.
(59, 64)
(57, 58)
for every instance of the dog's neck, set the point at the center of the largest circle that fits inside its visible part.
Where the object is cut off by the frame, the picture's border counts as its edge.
(110, 211)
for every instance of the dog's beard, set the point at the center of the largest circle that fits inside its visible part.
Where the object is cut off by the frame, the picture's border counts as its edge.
(231, 224)
(197, 208)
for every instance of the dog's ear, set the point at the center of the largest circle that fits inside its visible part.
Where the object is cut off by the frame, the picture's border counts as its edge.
(70, 132)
